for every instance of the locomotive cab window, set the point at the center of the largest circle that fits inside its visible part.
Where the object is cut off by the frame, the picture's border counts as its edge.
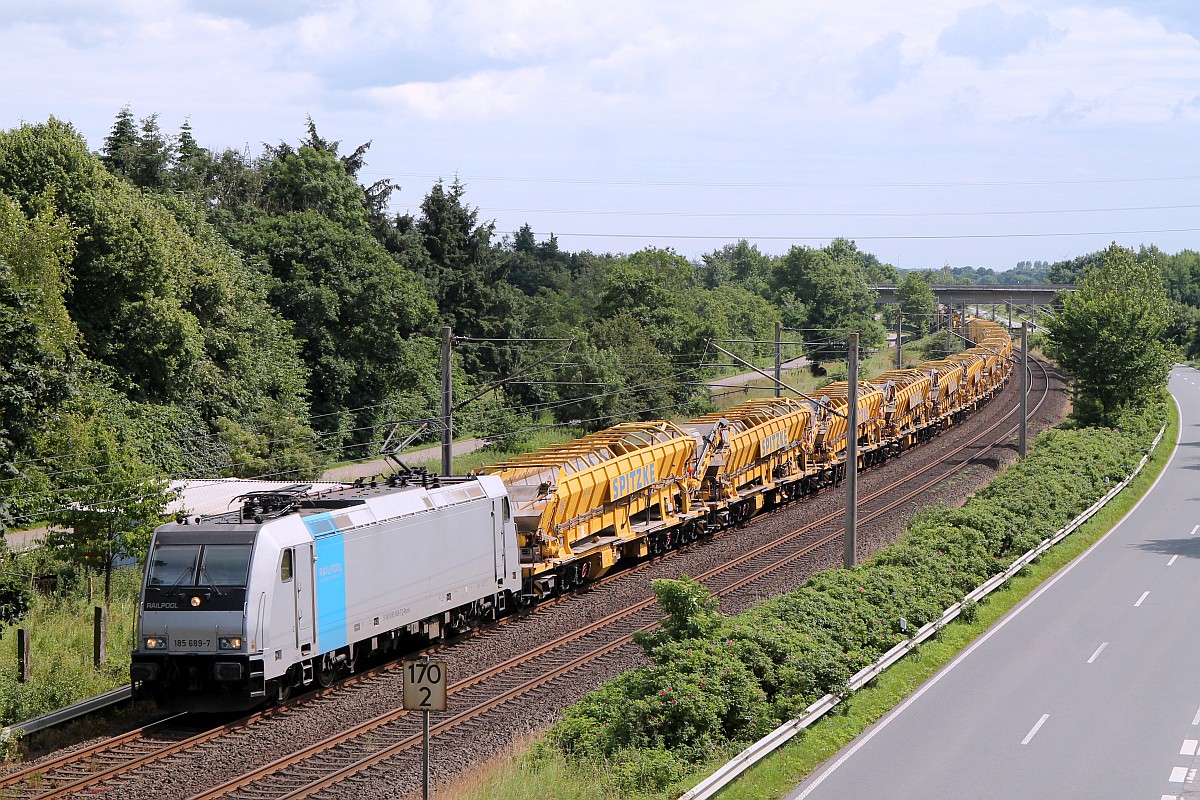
(225, 564)
(285, 567)
(175, 565)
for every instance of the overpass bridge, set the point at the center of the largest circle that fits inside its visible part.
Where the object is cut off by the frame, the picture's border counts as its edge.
(1039, 294)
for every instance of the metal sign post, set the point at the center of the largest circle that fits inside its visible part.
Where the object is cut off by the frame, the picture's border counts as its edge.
(425, 691)
(1022, 439)
(447, 402)
(851, 537)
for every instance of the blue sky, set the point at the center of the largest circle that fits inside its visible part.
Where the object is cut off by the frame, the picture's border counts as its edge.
(936, 132)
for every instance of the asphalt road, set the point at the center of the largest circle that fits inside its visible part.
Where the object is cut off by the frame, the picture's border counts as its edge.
(1088, 689)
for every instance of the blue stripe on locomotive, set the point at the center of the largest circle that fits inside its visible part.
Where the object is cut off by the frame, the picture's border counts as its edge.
(330, 551)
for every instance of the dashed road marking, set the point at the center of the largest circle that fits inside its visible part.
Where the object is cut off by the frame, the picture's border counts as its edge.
(1172, 561)
(1193, 533)
(1145, 594)
(1189, 747)
(1178, 774)
(1033, 731)
(1099, 650)
(1196, 719)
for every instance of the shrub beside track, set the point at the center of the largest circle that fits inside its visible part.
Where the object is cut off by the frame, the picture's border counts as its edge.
(716, 682)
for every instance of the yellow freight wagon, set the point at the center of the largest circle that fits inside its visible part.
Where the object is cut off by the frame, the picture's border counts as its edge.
(905, 393)
(579, 505)
(832, 404)
(745, 451)
(945, 379)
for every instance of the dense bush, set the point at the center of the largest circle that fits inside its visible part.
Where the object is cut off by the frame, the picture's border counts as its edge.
(714, 680)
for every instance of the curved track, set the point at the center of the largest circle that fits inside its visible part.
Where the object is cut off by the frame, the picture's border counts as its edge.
(389, 742)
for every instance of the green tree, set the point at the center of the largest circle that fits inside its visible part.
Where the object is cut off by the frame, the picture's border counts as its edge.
(1072, 270)
(194, 167)
(311, 179)
(740, 264)
(467, 274)
(157, 296)
(917, 302)
(354, 309)
(39, 249)
(121, 144)
(537, 266)
(112, 498)
(826, 291)
(1109, 335)
(35, 378)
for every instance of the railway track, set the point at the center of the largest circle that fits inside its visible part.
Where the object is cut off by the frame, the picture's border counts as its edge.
(331, 767)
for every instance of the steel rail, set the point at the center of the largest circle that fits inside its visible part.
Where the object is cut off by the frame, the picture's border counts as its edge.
(105, 774)
(398, 747)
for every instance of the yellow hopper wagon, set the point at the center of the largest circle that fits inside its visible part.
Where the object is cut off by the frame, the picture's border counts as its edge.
(582, 506)
(994, 345)
(830, 444)
(905, 396)
(945, 380)
(971, 363)
(751, 455)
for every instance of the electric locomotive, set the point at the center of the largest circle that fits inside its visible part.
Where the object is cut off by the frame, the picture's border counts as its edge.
(289, 589)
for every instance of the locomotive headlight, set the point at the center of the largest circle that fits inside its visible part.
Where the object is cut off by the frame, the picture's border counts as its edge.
(195, 602)
(155, 642)
(229, 643)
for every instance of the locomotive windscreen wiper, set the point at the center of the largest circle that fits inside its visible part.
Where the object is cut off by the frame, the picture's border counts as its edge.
(208, 579)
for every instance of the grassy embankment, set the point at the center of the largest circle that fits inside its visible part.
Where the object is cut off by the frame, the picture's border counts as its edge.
(60, 626)
(543, 772)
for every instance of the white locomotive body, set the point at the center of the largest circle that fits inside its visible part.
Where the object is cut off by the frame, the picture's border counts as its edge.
(242, 607)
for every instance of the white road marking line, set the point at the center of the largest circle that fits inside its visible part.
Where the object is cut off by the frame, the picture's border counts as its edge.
(1189, 747)
(1191, 775)
(1169, 797)
(1196, 719)
(1099, 650)
(1178, 774)
(1140, 599)
(863, 740)
(1193, 533)
(1033, 731)
(1172, 561)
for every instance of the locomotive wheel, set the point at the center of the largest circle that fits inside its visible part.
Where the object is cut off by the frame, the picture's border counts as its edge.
(326, 671)
(283, 688)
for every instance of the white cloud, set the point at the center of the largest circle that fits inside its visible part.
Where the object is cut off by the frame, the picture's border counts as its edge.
(479, 97)
(761, 90)
(989, 33)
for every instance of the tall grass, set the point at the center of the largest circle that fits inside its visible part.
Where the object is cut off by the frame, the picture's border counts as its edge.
(60, 626)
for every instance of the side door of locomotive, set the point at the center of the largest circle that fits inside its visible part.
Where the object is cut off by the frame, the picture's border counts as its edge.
(305, 612)
(501, 523)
